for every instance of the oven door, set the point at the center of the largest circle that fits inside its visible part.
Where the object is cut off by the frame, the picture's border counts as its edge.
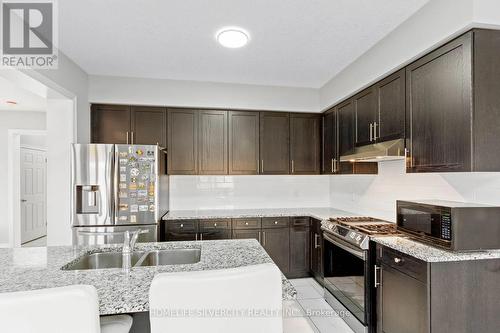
(346, 275)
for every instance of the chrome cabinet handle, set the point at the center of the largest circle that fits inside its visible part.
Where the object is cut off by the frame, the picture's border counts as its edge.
(334, 165)
(182, 225)
(371, 132)
(316, 241)
(275, 222)
(196, 236)
(375, 131)
(132, 141)
(215, 225)
(262, 166)
(127, 137)
(375, 270)
(260, 237)
(264, 238)
(293, 168)
(398, 260)
(201, 236)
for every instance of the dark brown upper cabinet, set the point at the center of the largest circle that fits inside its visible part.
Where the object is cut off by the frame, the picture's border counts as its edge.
(329, 142)
(365, 113)
(212, 145)
(439, 99)
(274, 143)
(148, 126)
(345, 118)
(453, 106)
(391, 107)
(243, 143)
(110, 124)
(182, 141)
(305, 143)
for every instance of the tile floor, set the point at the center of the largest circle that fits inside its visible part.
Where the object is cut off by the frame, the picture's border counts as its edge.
(310, 312)
(37, 242)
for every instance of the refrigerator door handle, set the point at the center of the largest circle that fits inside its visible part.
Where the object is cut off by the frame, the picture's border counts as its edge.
(114, 196)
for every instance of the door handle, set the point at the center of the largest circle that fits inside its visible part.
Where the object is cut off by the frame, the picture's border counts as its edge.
(377, 269)
(316, 241)
(371, 132)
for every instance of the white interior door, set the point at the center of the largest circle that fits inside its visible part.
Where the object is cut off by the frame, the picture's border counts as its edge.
(33, 194)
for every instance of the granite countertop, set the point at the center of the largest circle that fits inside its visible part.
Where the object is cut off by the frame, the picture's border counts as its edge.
(120, 291)
(425, 252)
(320, 213)
(430, 253)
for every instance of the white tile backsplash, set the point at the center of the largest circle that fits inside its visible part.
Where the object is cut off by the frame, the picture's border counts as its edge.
(376, 195)
(239, 192)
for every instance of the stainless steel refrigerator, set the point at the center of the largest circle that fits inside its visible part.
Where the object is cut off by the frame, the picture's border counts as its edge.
(116, 188)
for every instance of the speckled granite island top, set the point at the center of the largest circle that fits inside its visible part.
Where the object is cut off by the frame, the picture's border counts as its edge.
(320, 213)
(120, 292)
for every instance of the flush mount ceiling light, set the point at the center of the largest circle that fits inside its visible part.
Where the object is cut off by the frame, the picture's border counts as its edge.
(232, 37)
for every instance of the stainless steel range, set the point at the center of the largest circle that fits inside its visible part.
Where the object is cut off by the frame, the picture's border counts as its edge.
(348, 267)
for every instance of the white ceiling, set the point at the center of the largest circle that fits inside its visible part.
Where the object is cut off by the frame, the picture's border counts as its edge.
(26, 101)
(301, 43)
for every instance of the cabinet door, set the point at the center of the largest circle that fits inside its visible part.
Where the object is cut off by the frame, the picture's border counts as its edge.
(391, 113)
(365, 109)
(329, 144)
(438, 91)
(110, 124)
(276, 242)
(182, 142)
(212, 144)
(243, 143)
(149, 126)
(246, 234)
(299, 252)
(345, 115)
(315, 252)
(402, 303)
(274, 143)
(305, 143)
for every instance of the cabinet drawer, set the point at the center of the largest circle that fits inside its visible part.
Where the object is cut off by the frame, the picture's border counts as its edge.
(274, 222)
(182, 226)
(300, 222)
(247, 223)
(214, 224)
(404, 263)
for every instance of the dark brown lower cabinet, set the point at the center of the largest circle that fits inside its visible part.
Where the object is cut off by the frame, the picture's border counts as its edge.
(414, 296)
(286, 240)
(299, 247)
(247, 234)
(276, 243)
(315, 252)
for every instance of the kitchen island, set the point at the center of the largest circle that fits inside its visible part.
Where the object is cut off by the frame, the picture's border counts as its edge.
(120, 291)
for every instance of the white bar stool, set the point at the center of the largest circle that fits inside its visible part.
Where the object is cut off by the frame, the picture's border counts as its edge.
(72, 309)
(244, 300)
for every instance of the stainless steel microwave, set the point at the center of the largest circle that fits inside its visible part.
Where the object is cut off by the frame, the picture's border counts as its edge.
(456, 226)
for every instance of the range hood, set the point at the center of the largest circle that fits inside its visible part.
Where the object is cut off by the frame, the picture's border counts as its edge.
(383, 151)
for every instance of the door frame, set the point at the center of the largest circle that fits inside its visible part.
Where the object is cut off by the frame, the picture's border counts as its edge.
(14, 181)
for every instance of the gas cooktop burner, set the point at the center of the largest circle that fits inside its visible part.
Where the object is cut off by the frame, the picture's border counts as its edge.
(368, 225)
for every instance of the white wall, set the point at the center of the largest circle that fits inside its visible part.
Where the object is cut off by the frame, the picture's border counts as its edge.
(12, 120)
(225, 192)
(70, 81)
(376, 195)
(120, 90)
(434, 23)
(59, 138)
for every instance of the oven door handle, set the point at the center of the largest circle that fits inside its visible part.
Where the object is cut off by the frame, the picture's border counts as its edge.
(344, 246)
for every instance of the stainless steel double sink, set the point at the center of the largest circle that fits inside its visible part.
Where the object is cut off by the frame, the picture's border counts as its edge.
(102, 260)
